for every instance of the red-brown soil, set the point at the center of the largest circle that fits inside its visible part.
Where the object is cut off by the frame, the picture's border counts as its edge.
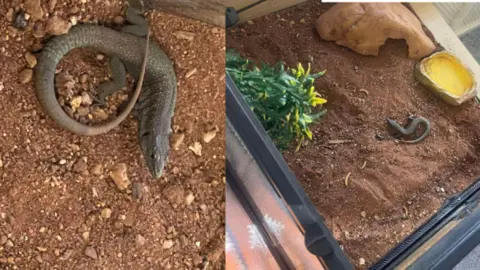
(369, 216)
(51, 208)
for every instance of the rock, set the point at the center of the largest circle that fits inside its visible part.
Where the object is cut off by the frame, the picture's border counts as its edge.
(137, 190)
(33, 7)
(189, 199)
(364, 27)
(57, 26)
(167, 244)
(3, 240)
(302, 20)
(91, 252)
(176, 139)
(100, 114)
(83, 78)
(208, 136)
(39, 30)
(76, 102)
(51, 5)
(184, 35)
(119, 176)
(119, 20)
(196, 148)
(86, 99)
(129, 220)
(83, 111)
(31, 60)
(10, 14)
(66, 255)
(97, 170)
(203, 207)
(74, 10)
(20, 21)
(139, 240)
(86, 235)
(25, 76)
(183, 240)
(250, 22)
(42, 249)
(174, 194)
(361, 261)
(80, 167)
(9, 244)
(190, 73)
(363, 214)
(106, 213)
(74, 20)
(100, 56)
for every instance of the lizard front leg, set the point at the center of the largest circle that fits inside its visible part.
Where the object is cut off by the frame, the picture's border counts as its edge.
(119, 80)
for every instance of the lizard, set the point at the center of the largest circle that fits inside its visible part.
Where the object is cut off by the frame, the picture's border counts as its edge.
(410, 128)
(154, 104)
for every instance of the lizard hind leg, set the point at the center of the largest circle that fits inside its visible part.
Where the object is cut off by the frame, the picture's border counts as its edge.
(119, 80)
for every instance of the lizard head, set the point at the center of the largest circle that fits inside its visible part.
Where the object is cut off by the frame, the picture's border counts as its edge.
(155, 151)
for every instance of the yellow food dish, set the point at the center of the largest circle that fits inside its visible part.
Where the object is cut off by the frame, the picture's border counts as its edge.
(445, 75)
(448, 73)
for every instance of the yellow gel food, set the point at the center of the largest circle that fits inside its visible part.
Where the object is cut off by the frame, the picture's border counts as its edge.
(447, 73)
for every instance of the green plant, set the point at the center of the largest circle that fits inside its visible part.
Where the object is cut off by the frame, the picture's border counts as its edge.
(282, 99)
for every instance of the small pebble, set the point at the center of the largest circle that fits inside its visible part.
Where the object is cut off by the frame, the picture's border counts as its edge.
(176, 140)
(33, 7)
(9, 244)
(66, 255)
(363, 214)
(119, 176)
(31, 60)
(139, 240)
(76, 102)
(25, 76)
(106, 213)
(86, 99)
(57, 26)
(208, 136)
(196, 148)
(80, 167)
(91, 252)
(51, 5)
(361, 261)
(189, 199)
(83, 78)
(167, 244)
(100, 57)
(97, 170)
(184, 35)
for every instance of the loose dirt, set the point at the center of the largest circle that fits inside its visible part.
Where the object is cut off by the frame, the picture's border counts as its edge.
(59, 208)
(399, 186)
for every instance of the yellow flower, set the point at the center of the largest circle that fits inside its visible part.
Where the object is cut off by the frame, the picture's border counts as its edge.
(318, 101)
